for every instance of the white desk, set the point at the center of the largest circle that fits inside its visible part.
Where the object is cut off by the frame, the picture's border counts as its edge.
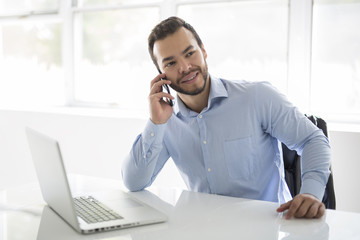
(191, 216)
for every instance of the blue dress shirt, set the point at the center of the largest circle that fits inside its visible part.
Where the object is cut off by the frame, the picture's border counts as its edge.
(232, 147)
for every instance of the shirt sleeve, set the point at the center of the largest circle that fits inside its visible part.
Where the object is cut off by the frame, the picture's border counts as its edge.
(285, 122)
(146, 158)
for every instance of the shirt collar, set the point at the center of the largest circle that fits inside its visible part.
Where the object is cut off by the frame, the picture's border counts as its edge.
(217, 90)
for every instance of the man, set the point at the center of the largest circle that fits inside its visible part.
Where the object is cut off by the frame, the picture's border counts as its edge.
(223, 135)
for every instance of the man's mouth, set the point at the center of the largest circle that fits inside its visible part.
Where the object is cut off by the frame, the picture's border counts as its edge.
(190, 78)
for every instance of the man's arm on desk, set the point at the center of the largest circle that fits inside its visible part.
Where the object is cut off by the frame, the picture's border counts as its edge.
(315, 172)
(146, 158)
(282, 120)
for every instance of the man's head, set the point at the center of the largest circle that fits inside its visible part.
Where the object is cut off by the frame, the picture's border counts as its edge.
(165, 28)
(177, 51)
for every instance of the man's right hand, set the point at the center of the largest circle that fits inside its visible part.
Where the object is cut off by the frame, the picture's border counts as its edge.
(160, 110)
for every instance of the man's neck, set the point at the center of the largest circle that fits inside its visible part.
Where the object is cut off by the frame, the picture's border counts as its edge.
(198, 102)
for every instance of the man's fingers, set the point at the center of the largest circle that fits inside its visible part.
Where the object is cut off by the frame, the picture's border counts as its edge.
(157, 78)
(303, 209)
(159, 97)
(157, 81)
(303, 206)
(295, 204)
(321, 211)
(157, 86)
(312, 211)
(284, 206)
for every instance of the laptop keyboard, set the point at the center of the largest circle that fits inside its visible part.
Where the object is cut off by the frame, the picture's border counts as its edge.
(93, 211)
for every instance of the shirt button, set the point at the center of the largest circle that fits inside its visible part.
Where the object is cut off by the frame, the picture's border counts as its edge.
(152, 134)
(204, 142)
(209, 169)
(200, 116)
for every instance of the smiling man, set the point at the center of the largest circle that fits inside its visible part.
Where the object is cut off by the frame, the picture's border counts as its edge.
(223, 135)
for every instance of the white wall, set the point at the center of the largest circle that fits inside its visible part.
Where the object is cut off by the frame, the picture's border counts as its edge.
(96, 146)
(90, 145)
(345, 166)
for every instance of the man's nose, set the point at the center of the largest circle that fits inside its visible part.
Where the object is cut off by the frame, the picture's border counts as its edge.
(184, 66)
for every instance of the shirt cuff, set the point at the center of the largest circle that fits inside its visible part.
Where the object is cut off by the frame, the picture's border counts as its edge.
(313, 187)
(153, 133)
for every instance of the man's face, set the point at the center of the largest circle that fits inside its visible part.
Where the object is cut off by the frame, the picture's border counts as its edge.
(183, 61)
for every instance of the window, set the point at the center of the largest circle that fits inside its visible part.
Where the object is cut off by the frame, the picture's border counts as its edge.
(94, 52)
(244, 39)
(93, 3)
(335, 82)
(15, 7)
(31, 64)
(113, 66)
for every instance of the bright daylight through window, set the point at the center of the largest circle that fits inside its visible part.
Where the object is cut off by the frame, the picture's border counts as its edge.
(112, 62)
(244, 39)
(30, 56)
(93, 53)
(336, 58)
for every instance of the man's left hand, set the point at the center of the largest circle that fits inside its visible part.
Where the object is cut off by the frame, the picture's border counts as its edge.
(303, 206)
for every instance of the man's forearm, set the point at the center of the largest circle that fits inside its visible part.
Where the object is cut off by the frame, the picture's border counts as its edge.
(136, 172)
(142, 164)
(316, 158)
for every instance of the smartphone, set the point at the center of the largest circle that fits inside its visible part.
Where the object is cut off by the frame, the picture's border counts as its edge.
(169, 101)
(167, 89)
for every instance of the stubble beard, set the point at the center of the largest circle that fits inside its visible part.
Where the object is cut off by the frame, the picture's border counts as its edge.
(196, 91)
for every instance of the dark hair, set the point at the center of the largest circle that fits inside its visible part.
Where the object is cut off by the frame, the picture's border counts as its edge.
(165, 28)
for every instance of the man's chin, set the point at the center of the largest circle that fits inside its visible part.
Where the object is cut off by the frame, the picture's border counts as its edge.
(192, 92)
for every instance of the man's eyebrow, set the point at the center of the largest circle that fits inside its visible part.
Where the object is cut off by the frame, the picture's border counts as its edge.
(167, 59)
(187, 49)
(183, 52)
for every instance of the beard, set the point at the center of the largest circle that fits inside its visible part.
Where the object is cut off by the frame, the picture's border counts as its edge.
(196, 91)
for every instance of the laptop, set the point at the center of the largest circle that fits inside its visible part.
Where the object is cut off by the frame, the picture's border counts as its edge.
(86, 214)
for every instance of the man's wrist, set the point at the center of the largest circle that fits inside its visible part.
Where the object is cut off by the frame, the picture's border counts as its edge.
(153, 133)
(313, 187)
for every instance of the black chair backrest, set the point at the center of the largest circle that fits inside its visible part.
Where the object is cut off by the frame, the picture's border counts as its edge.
(293, 169)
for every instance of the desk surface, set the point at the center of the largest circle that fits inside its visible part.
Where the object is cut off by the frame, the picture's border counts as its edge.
(191, 216)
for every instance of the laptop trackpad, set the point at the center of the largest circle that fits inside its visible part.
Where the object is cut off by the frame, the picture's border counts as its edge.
(127, 203)
(117, 200)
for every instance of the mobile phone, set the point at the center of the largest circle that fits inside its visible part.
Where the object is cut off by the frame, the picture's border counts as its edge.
(167, 89)
(169, 101)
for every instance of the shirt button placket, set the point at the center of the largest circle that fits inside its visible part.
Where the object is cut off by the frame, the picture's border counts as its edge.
(204, 147)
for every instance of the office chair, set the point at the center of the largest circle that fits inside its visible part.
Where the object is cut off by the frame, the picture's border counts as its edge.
(293, 169)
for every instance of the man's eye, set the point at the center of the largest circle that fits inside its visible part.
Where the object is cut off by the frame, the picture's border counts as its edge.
(169, 64)
(190, 53)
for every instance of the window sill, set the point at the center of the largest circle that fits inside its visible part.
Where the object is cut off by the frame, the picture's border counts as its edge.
(343, 127)
(83, 111)
(338, 124)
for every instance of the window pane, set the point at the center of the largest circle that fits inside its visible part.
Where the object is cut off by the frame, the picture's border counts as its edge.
(112, 2)
(244, 40)
(114, 65)
(9, 7)
(30, 63)
(336, 57)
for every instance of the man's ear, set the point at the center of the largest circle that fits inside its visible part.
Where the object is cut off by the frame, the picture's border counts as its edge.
(203, 51)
